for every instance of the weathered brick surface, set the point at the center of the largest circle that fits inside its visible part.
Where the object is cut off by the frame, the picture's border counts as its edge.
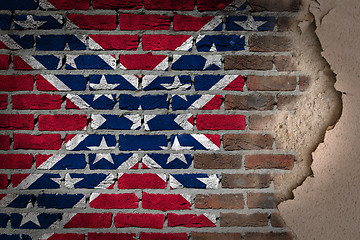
(246, 181)
(144, 119)
(217, 161)
(217, 201)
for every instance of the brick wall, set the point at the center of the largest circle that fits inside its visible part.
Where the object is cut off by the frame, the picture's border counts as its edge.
(144, 119)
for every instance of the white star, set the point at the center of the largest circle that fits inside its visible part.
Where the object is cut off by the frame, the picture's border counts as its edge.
(213, 48)
(70, 60)
(250, 23)
(176, 84)
(103, 84)
(67, 48)
(109, 96)
(176, 145)
(30, 217)
(173, 157)
(212, 60)
(210, 182)
(103, 146)
(70, 182)
(30, 23)
(106, 156)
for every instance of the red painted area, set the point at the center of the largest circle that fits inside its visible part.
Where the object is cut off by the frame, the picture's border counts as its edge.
(111, 236)
(16, 82)
(190, 23)
(68, 137)
(141, 181)
(67, 236)
(214, 103)
(70, 4)
(4, 182)
(129, 21)
(164, 202)
(90, 220)
(236, 85)
(70, 105)
(189, 220)
(220, 122)
(16, 121)
(16, 161)
(163, 236)
(3, 101)
(16, 179)
(174, 5)
(115, 201)
(40, 159)
(36, 102)
(141, 61)
(40, 142)
(116, 42)
(214, 138)
(213, 5)
(43, 85)
(20, 64)
(4, 61)
(116, 4)
(4, 142)
(62, 122)
(143, 220)
(93, 22)
(163, 42)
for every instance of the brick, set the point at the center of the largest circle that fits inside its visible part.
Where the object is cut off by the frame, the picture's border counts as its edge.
(243, 220)
(16, 161)
(65, 4)
(285, 63)
(143, 61)
(165, 202)
(4, 142)
(93, 22)
(215, 236)
(4, 61)
(259, 122)
(277, 221)
(142, 181)
(250, 62)
(40, 142)
(217, 161)
(173, 5)
(113, 42)
(287, 24)
(245, 181)
(62, 122)
(16, 121)
(269, 161)
(191, 220)
(16, 83)
(304, 83)
(116, 4)
(36, 102)
(205, 5)
(110, 236)
(219, 201)
(4, 181)
(164, 42)
(190, 23)
(258, 102)
(3, 101)
(269, 43)
(271, 83)
(247, 141)
(130, 21)
(163, 236)
(220, 122)
(5, 21)
(274, 5)
(268, 236)
(262, 200)
(89, 220)
(287, 102)
(143, 220)
(114, 201)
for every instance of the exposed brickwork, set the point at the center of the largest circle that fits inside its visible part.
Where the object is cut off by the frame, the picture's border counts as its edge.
(144, 119)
